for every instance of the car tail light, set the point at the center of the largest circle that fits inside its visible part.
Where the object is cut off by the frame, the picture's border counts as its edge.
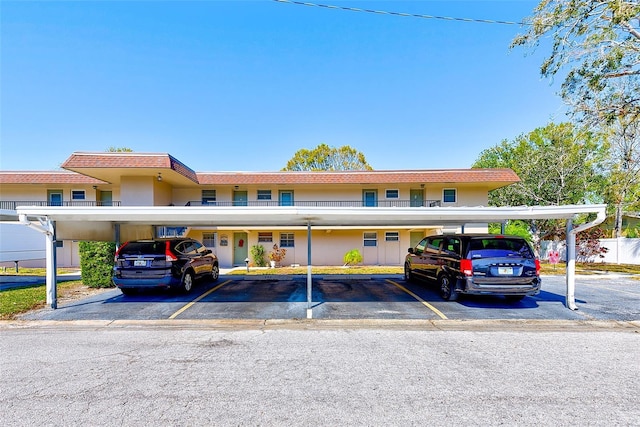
(169, 256)
(537, 267)
(115, 258)
(466, 267)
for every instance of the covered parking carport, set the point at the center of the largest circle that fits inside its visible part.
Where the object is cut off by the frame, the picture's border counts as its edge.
(125, 223)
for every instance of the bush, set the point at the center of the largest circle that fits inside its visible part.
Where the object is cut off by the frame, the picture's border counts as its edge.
(257, 253)
(352, 257)
(96, 263)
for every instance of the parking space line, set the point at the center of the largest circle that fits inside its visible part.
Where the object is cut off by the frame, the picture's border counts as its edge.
(187, 306)
(426, 304)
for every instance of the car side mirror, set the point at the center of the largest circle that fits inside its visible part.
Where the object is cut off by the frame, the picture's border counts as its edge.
(410, 250)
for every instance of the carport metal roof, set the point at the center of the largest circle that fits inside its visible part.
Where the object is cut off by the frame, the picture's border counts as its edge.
(48, 218)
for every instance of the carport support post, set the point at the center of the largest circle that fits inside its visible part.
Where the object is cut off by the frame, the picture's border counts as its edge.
(309, 279)
(50, 263)
(571, 267)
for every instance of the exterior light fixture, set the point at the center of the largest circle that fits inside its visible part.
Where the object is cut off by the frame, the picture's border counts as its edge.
(159, 177)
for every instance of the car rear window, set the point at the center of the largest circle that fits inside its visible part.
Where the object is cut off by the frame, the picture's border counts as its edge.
(143, 248)
(497, 248)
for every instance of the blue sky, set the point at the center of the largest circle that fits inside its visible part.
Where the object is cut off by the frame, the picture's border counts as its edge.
(242, 85)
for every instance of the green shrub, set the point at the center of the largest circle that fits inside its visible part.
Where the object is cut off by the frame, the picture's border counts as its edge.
(96, 263)
(352, 257)
(257, 253)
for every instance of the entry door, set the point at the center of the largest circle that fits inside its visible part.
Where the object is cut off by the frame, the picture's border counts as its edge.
(240, 198)
(106, 198)
(55, 197)
(369, 198)
(417, 198)
(240, 249)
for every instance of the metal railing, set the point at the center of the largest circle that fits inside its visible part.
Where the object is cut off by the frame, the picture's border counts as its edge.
(11, 204)
(325, 203)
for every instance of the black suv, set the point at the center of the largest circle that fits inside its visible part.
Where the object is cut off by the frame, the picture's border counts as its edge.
(163, 263)
(476, 264)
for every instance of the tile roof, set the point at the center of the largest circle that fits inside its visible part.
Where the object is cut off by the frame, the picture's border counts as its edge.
(50, 177)
(506, 176)
(119, 160)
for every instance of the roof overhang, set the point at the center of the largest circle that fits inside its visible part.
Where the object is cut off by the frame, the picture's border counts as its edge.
(247, 216)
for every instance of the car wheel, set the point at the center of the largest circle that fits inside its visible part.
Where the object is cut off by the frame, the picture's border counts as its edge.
(187, 282)
(447, 291)
(215, 273)
(408, 275)
(128, 291)
(514, 298)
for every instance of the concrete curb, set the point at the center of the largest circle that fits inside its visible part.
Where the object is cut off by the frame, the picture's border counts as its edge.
(500, 325)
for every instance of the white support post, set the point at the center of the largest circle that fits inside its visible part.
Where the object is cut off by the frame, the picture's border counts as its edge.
(571, 267)
(309, 278)
(51, 277)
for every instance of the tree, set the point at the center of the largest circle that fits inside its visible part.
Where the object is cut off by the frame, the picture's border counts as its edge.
(557, 165)
(325, 158)
(600, 41)
(623, 186)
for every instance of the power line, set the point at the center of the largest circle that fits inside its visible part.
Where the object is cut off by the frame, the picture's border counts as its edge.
(410, 15)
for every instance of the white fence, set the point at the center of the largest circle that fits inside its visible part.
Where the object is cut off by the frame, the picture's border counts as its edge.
(620, 251)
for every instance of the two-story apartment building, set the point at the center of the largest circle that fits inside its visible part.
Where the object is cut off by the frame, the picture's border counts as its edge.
(157, 179)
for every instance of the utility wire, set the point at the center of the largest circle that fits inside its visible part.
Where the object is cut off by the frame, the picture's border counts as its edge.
(410, 15)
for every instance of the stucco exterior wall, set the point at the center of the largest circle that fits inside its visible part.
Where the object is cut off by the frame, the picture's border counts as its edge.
(137, 191)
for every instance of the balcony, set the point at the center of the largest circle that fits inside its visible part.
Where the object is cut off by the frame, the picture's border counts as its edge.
(326, 203)
(11, 205)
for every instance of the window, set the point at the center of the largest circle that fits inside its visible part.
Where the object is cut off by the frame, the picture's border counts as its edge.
(369, 198)
(392, 194)
(286, 240)
(265, 237)
(392, 236)
(371, 239)
(208, 197)
(453, 246)
(286, 198)
(434, 243)
(171, 231)
(77, 195)
(264, 194)
(449, 195)
(209, 240)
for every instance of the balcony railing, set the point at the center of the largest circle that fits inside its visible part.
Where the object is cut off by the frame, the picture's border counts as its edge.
(326, 203)
(11, 204)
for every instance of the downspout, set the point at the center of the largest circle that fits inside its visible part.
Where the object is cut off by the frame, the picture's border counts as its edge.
(571, 255)
(47, 227)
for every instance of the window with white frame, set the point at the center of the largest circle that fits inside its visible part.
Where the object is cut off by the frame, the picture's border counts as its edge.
(392, 236)
(264, 237)
(449, 195)
(78, 195)
(392, 194)
(287, 240)
(209, 239)
(370, 239)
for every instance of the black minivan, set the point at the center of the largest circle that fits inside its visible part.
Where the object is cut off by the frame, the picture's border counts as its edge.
(476, 264)
(163, 263)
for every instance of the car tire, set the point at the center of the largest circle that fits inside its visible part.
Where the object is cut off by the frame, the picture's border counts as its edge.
(408, 275)
(514, 298)
(447, 288)
(187, 282)
(129, 291)
(215, 272)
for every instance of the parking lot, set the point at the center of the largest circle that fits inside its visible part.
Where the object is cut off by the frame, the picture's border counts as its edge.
(353, 297)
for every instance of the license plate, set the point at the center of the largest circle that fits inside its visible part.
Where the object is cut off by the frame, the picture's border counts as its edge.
(140, 263)
(505, 270)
